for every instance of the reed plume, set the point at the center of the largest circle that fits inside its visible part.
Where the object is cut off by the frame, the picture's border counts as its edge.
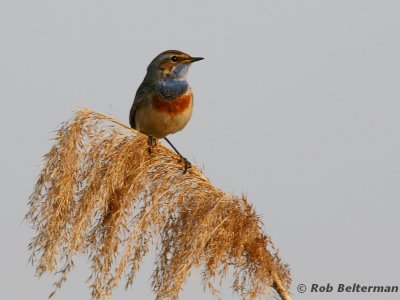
(102, 194)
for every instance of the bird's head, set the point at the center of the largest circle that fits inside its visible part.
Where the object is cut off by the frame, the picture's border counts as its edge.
(172, 64)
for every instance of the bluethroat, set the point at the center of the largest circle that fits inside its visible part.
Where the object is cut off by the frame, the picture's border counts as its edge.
(164, 100)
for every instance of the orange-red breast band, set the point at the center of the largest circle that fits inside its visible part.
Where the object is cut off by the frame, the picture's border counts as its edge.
(172, 107)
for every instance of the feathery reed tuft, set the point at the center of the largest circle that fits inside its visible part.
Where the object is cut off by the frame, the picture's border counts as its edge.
(100, 193)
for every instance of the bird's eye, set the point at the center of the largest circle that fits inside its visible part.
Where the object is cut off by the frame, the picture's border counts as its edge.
(174, 58)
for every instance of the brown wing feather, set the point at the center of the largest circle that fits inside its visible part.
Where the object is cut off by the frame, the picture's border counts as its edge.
(137, 103)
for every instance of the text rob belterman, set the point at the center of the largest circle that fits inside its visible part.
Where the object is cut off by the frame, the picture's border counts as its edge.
(346, 288)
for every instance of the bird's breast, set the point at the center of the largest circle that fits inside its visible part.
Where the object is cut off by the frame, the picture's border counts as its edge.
(160, 117)
(173, 106)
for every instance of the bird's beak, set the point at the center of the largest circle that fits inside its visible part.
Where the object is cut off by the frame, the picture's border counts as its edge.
(193, 59)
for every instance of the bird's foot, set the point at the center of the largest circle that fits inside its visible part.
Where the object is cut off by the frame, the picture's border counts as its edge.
(151, 142)
(187, 164)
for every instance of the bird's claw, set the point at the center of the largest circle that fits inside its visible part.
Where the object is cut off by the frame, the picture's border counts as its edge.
(151, 142)
(187, 164)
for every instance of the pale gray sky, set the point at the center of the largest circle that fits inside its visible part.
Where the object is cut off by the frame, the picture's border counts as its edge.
(297, 105)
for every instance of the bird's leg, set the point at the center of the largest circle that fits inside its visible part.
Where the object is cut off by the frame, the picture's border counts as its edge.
(187, 163)
(151, 142)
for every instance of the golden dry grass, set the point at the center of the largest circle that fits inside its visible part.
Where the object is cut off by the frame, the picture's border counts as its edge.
(100, 193)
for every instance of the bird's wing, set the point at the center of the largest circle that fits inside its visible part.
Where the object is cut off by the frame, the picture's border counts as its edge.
(139, 100)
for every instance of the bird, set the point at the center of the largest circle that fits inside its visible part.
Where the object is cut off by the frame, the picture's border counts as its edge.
(163, 102)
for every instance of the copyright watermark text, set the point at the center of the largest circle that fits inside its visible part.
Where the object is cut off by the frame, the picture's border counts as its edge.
(346, 288)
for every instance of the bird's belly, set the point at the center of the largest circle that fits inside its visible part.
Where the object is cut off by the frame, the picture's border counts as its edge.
(160, 119)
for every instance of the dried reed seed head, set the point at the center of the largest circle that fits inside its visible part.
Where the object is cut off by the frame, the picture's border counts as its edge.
(101, 193)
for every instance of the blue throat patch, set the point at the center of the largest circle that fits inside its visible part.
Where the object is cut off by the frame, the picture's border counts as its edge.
(171, 88)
